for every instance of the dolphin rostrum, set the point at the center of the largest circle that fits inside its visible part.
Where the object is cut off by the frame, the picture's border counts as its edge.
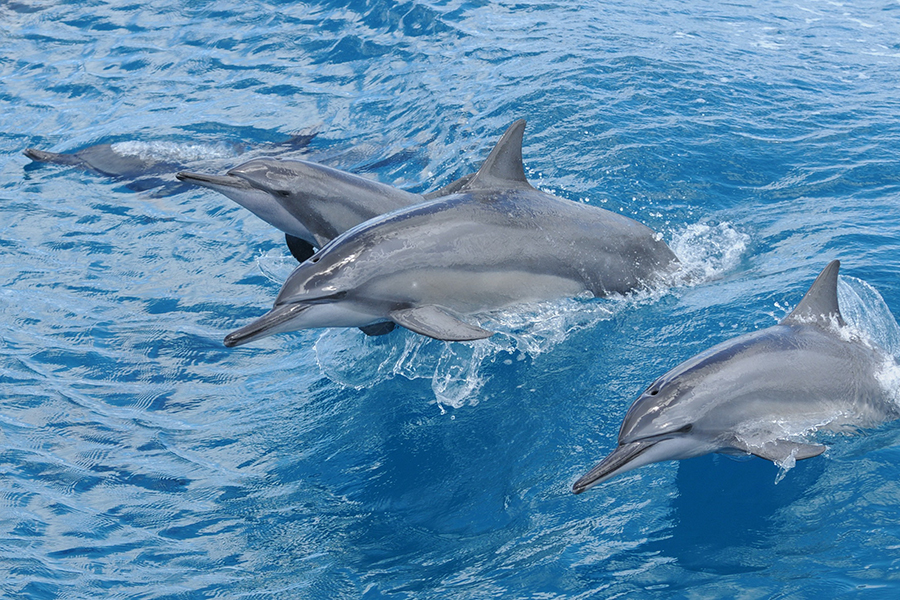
(495, 242)
(761, 393)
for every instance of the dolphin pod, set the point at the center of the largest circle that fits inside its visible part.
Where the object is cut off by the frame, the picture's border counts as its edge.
(494, 241)
(759, 393)
(490, 240)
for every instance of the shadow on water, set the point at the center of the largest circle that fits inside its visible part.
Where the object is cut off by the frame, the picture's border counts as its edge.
(723, 517)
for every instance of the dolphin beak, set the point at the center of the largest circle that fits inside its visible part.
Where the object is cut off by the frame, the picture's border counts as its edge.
(276, 320)
(212, 181)
(621, 460)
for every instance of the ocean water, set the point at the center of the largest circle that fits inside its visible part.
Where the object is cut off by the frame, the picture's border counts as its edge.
(139, 458)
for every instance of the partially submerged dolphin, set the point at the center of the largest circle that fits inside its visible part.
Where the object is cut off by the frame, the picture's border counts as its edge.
(309, 201)
(497, 241)
(150, 164)
(759, 393)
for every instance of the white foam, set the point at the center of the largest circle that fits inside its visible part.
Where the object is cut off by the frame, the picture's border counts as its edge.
(707, 252)
(172, 152)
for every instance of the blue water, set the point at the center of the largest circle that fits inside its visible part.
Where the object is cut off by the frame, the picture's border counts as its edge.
(139, 458)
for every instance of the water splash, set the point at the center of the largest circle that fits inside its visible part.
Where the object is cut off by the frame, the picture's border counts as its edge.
(173, 152)
(706, 251)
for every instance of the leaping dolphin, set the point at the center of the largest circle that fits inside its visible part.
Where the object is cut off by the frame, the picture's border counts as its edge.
(759, 393)
(496, 242)
(299, 239)
(309, 201)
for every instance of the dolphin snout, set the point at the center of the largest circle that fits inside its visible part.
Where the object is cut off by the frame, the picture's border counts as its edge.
(212, 181)
(277, 320)
(620, 460)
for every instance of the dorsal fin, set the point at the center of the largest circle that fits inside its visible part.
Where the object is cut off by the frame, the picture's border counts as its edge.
(821, 301)
(503, 168)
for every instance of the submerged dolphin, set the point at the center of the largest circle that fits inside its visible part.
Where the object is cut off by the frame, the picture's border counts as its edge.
(759, 393)
(140, 161)
(309, 201)
(497, 241)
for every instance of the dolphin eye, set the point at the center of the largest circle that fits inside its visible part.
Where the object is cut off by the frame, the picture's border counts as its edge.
(283, 193)
(654, 392)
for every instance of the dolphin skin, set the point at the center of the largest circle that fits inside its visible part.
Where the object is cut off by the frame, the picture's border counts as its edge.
(495, 242)
(759, 393)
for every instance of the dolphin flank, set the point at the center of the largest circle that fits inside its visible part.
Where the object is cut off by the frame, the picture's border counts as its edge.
(483, 243)
(759, 393)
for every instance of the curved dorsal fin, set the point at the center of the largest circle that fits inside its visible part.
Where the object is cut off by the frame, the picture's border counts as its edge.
(503, 168)
(821, 301)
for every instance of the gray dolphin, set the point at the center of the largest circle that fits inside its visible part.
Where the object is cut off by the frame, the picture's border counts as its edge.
(299, 239)
(759, 392)
(497, 241)
(311, 203)
(140, 162)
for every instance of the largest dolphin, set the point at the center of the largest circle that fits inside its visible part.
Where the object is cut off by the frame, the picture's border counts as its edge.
(759, 393)
(496, 242)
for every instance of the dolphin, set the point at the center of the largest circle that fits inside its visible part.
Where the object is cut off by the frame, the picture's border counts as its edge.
(140, 161)
(310, 202)
(759, 393)
(299, 239)
(493, 242)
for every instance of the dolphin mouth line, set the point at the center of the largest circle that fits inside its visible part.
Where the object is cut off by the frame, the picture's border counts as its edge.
(263, 325)
(202, 178)
(619, 457)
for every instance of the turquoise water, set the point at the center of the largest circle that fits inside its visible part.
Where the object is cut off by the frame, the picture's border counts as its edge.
(139, 458)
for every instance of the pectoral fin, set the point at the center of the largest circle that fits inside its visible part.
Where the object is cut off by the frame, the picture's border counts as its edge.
(779, 451)
(378, 328)
(300, 248)
(438, 323)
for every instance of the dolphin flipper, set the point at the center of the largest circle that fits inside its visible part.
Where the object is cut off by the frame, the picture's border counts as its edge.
(780, 450)
(300, 248)
(378, 328)
(438, 323)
